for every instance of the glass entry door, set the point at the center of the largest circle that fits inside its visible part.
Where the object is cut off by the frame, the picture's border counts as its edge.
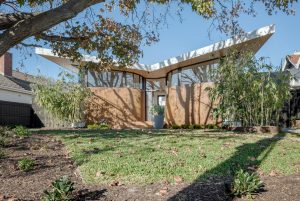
(155, 95)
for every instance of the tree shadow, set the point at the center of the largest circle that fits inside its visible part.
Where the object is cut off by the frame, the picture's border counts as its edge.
(248, 156)
(86, 194)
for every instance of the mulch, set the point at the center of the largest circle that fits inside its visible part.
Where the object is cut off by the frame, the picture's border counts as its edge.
(52, 161)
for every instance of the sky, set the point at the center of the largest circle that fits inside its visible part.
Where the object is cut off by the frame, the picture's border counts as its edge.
(190, 34)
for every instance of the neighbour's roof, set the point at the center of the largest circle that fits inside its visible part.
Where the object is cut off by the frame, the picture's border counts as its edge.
(15, 82)
(251, 41)
(294, 59)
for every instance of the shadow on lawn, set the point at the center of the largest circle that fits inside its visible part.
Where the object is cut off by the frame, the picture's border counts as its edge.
(111, 134)
(212, 184)
(210, 187)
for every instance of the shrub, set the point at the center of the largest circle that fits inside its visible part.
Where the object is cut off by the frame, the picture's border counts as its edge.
(4, 131)
(2, 154)
(246, 184)
(62, 189)
(157, 110)
(211, 126)
(3, 141)
(185, 126)
(198, 126)
(98, 126)
(192, 126)
(26, 164)
(22, 131)
(174, 126)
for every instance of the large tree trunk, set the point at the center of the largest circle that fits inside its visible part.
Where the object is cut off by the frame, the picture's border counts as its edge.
(42, 22)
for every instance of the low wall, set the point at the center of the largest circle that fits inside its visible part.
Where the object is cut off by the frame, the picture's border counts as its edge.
(189, 105)
(119, 107)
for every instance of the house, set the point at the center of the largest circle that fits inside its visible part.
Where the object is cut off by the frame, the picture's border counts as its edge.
(291, 63)
(17, 105)
(15, 95)
(123, 97)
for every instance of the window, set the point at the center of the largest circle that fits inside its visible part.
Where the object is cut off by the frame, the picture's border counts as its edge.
(192, 74)
(161, 100)
(114, 79)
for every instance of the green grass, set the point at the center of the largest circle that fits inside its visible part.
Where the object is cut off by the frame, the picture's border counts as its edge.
(142, 157)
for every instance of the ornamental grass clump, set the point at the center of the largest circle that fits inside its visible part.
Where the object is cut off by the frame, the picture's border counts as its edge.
(248, 90)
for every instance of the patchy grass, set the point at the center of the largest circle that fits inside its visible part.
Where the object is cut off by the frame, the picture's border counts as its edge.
(143, 157)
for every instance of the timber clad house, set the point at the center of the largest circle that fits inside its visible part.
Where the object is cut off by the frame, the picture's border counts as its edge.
(123, 98)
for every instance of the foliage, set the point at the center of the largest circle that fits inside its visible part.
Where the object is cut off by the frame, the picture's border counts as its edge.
(2, 154)
(246, 184)
(21, 131)
(174, 126)
(62, 189)
(64, 99)
(112, 30)
(5, 131)
(198, 126)
(248, 90)
(3, 141)
(157, 110)
(26, 164)
(98, 126)
(185, 126)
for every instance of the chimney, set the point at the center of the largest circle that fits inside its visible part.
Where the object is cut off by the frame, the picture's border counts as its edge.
(6, 64)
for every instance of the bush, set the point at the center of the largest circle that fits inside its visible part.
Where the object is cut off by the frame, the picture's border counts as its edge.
(2, 154)
(98, 126)
(4, 131)
(174, 126)
(185, 126)
(157, 110)
(198, 126)
(246, 184)
(3, 141)
(192, 126)
(26, 164)
(22, 131)
(62, 189)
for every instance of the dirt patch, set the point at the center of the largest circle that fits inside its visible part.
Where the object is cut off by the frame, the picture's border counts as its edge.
(52, 162)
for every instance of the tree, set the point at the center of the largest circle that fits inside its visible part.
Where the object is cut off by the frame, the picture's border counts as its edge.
(113, 30)
(249, 90)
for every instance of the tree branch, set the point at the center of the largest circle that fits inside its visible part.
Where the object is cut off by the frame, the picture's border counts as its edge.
(55, 38)
(42, 22)
(30, 45)
(7, 20)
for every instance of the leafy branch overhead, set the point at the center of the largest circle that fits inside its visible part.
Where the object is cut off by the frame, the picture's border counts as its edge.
(113, 30)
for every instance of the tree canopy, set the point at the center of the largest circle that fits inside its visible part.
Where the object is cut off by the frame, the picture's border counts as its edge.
(113, 30)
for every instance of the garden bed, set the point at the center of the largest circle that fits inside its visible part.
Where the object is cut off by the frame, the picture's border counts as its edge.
(256, 129)
(52, 161)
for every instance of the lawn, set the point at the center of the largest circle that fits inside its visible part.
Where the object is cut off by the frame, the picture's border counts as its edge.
(144, 157)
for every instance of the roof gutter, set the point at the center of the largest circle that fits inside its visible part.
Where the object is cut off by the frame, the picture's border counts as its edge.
(17, 90)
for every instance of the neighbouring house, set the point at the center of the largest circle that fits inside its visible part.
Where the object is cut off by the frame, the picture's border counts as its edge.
(15, 95)
(17, 105)
(123, 97)
(291, 64)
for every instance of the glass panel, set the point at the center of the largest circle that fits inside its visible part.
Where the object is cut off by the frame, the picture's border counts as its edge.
(136, 81)
(114, 79)
(161, 100)
(129, 80)
(174, 78)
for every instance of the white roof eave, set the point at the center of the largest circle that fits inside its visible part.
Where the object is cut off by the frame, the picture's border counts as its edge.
(256, 34)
